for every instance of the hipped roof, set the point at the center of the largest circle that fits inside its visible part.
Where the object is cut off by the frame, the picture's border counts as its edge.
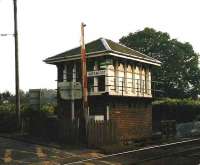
(102, 47)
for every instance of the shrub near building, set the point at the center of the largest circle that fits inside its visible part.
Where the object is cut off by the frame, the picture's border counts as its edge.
(8, 121)
(181, 110)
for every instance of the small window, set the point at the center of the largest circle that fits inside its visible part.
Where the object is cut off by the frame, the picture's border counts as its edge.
(78, 72)
(90, 65)
(60, 73)
(69, 72)
(91, 84)
(101, 63)
(101, 83)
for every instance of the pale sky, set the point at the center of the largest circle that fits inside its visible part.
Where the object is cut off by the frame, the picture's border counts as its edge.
(49, 27)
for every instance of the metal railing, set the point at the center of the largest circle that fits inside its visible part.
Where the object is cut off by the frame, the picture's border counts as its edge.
(123, 89)
(123, 86)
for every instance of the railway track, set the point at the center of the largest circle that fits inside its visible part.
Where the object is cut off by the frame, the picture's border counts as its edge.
(181, 152)
(185, 152)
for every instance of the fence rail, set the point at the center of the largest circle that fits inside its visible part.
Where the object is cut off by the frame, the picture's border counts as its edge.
(101, 133)
(69, 131)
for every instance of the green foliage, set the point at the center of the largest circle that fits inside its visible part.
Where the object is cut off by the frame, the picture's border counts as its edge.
(7, 107)
(48, 108)
(181, 110)
(179, 71)
(178, 105)
(8, 121)
(177, 102)
(48, 96)
(45, 111)
(4, 96)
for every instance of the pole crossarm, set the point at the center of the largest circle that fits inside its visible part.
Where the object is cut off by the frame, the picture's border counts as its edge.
(6, 34)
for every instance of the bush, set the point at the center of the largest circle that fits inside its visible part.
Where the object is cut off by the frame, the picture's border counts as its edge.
(7, 107)
(37, 119)
(48, 109)
(181, 110)
(177, 102)
(45, 111)
(8, 122)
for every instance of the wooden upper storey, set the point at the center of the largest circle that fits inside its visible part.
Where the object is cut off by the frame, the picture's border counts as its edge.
(114, 76)
(112, 68)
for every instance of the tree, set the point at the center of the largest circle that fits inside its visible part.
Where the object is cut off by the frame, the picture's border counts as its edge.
(179, 72)
(5, 96)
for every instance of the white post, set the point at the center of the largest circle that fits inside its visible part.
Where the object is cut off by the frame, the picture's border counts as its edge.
(149, 77)
(133, 79)
(65, 73)
(95, 78)
(116, 77)
(147, 80)
(125, 77)
(107, 112)
(72, 101)
(140, 80)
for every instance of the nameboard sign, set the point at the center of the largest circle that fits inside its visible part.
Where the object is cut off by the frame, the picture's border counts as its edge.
(96, 73)
(70, 90)
(35, 98)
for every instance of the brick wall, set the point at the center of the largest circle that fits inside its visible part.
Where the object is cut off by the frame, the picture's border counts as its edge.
(133, 122)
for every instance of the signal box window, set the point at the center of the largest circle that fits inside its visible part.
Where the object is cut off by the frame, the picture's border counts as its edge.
(101, 83)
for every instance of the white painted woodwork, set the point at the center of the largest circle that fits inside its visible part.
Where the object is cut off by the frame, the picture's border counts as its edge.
(121, 78)
(110, 78)
(129, 83)
(65, 73)
(72, 102)
(116, 77)
(143, 81)
(137, 82)
(107, 112)
(95, 78)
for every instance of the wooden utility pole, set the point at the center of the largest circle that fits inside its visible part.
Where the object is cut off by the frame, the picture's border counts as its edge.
(17, 97)
(84, 75)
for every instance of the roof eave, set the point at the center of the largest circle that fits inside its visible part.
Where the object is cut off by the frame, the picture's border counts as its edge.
(74, 57)
(78, 56)
(92, 55)
(152, 60)
(156, 62)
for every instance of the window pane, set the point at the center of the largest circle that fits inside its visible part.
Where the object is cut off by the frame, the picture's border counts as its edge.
(101, 83)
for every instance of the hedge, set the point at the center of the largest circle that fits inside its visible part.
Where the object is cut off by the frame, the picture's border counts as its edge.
(181, 110)
(177, 102)
(8, 121)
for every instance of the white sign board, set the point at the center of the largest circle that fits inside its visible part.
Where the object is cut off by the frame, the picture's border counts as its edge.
(96, 73)
(97, 117)
(70, 90)
(34, 98)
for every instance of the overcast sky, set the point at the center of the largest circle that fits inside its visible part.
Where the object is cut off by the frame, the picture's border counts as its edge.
(49, 27)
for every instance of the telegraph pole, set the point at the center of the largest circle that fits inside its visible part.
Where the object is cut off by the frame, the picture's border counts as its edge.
(84, 75)
(17, 97)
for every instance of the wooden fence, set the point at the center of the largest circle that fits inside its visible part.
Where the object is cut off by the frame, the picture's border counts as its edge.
(69, 131)
(98, 133)
(101, 133)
